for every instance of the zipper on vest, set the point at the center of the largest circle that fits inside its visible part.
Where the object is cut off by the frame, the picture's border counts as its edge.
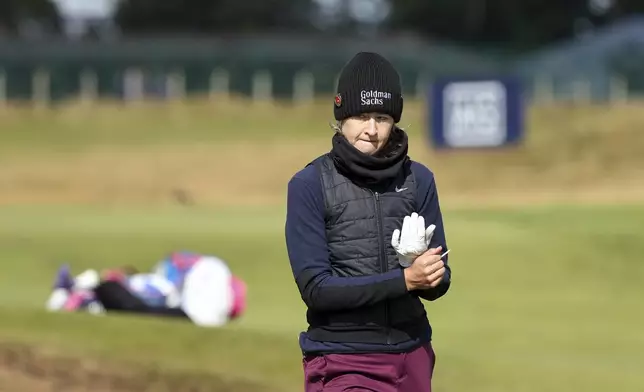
(383, 255)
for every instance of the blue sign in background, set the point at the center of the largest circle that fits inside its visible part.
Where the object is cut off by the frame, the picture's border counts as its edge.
(476, 112)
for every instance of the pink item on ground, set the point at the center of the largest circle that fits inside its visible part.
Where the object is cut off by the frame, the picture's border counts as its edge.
(77, 299)
(239, 290)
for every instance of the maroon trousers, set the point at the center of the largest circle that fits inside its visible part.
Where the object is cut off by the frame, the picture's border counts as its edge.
(404, 372)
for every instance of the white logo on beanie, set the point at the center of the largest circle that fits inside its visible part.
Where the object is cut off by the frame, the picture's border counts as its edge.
(373, 97)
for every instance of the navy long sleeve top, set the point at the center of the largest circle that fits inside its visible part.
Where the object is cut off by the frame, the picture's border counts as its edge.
(309, 257)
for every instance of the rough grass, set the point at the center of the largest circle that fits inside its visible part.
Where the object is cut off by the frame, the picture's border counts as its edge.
(29, 367)
(236, 153)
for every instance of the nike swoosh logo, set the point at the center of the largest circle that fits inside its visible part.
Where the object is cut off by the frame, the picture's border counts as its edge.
(400, 189)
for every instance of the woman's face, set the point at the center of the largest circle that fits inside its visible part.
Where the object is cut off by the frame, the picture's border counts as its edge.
(368, 132)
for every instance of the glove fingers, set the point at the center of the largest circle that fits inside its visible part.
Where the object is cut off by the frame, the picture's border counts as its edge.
(429, 233)
(405, 228)
(395, 239)
(420, 227)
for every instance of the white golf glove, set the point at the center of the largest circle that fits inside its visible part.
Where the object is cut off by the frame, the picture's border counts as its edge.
(413, 240)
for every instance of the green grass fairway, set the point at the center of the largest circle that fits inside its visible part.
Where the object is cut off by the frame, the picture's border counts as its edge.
(543, 299)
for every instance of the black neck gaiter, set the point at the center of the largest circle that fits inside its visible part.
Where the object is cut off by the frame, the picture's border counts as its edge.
(376, 170)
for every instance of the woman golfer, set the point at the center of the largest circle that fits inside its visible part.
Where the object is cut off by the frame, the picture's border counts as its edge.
(361, 253)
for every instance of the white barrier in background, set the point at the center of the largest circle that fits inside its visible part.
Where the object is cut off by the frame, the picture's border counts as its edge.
(581, 91)
(618, 89)
(133, 87)
(303, 87)
(262, 87)
(219, 83)
(88, 83)
(176, 85)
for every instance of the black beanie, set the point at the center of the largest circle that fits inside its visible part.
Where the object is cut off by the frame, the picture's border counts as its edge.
(368, 83)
